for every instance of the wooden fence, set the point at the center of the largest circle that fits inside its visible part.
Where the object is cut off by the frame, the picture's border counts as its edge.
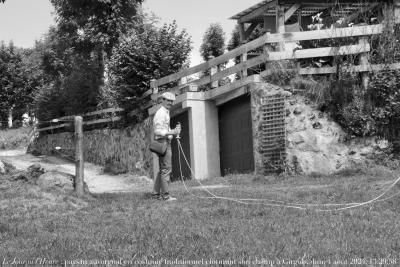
(178, 81)
(67, 121)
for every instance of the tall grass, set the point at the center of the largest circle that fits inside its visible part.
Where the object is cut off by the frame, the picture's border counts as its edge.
(57, 226)
(14, 138)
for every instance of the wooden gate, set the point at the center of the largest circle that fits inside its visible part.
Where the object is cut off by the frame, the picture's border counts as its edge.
(183, 118)
(236, 137)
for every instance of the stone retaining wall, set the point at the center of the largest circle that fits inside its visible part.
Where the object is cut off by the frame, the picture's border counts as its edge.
(314, 142)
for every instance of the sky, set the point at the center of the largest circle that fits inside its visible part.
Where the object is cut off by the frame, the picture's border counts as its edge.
(196, 15)
(24, 21)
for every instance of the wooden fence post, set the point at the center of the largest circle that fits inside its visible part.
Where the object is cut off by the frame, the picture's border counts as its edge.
(10, 116)
(396, 11)
(364, 61)
(154, 90)
(79, 171)
(388, 11)
(213, 71)
(153, 87)
(243, 57)
(266, 51)
(182, 83)
(280, 23)
(299, 19)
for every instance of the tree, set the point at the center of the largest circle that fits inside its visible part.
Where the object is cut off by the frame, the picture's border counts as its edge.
(73, 53)
(56, 61)
(213, 42)
(99, 23)
(12, 90)
(213, 46)
(33, 75)
(71, 78)
(235, 39)
(234, 42)
(147, 53)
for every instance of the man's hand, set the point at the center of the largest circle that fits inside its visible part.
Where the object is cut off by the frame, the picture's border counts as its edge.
(177, 129)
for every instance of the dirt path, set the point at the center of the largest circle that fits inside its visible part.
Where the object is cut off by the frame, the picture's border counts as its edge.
(97, 181)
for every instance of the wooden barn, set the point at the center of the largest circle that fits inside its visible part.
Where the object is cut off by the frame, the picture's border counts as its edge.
(221, 124)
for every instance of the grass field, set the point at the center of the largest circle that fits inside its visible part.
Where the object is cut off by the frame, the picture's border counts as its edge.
(39, 226)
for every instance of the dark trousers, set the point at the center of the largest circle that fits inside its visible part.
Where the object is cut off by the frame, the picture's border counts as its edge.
(165, 168)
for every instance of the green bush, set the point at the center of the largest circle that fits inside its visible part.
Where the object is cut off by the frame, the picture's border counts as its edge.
(384, 91)
(356, 120)
(145, 54)
(14, 138)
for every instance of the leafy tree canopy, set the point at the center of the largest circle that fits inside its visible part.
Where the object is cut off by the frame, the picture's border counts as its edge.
(235, 39)
(147, 53)
(12, 89)
(73, 53)
(97, 22)
(71, 79)
(213, 42)
(20, 76)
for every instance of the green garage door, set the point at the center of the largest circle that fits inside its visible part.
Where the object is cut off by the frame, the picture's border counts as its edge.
(236, 136)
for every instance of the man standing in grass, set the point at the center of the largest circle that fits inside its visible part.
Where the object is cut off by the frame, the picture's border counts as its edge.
(164, 134)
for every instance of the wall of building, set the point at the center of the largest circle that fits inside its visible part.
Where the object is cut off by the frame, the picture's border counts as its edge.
(126, 150)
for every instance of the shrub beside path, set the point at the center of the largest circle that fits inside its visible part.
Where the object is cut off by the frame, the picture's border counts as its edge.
(96, 179)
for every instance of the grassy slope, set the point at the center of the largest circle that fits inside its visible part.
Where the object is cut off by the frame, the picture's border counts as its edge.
(14, 138)
(36, 223)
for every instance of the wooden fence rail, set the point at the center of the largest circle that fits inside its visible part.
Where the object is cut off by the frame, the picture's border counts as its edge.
(330, 70)
(266, 56)
(180, 77)
(275, 56)
(91, 122)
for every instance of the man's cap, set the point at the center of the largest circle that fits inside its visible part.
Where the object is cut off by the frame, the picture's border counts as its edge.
(168, 95)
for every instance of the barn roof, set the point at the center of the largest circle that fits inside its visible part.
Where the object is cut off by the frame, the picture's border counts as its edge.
(309, 7)
(250, 9)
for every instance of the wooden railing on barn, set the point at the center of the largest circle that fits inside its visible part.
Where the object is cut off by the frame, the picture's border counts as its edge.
(178, 82)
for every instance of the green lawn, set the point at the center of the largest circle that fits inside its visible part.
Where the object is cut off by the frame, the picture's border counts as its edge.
(57, 227)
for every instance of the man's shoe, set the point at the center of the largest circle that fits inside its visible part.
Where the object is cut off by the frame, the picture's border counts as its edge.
(169, 198)
(156, 196)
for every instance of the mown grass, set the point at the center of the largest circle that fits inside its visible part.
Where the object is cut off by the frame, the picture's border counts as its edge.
(57, 226)
(14, 138)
